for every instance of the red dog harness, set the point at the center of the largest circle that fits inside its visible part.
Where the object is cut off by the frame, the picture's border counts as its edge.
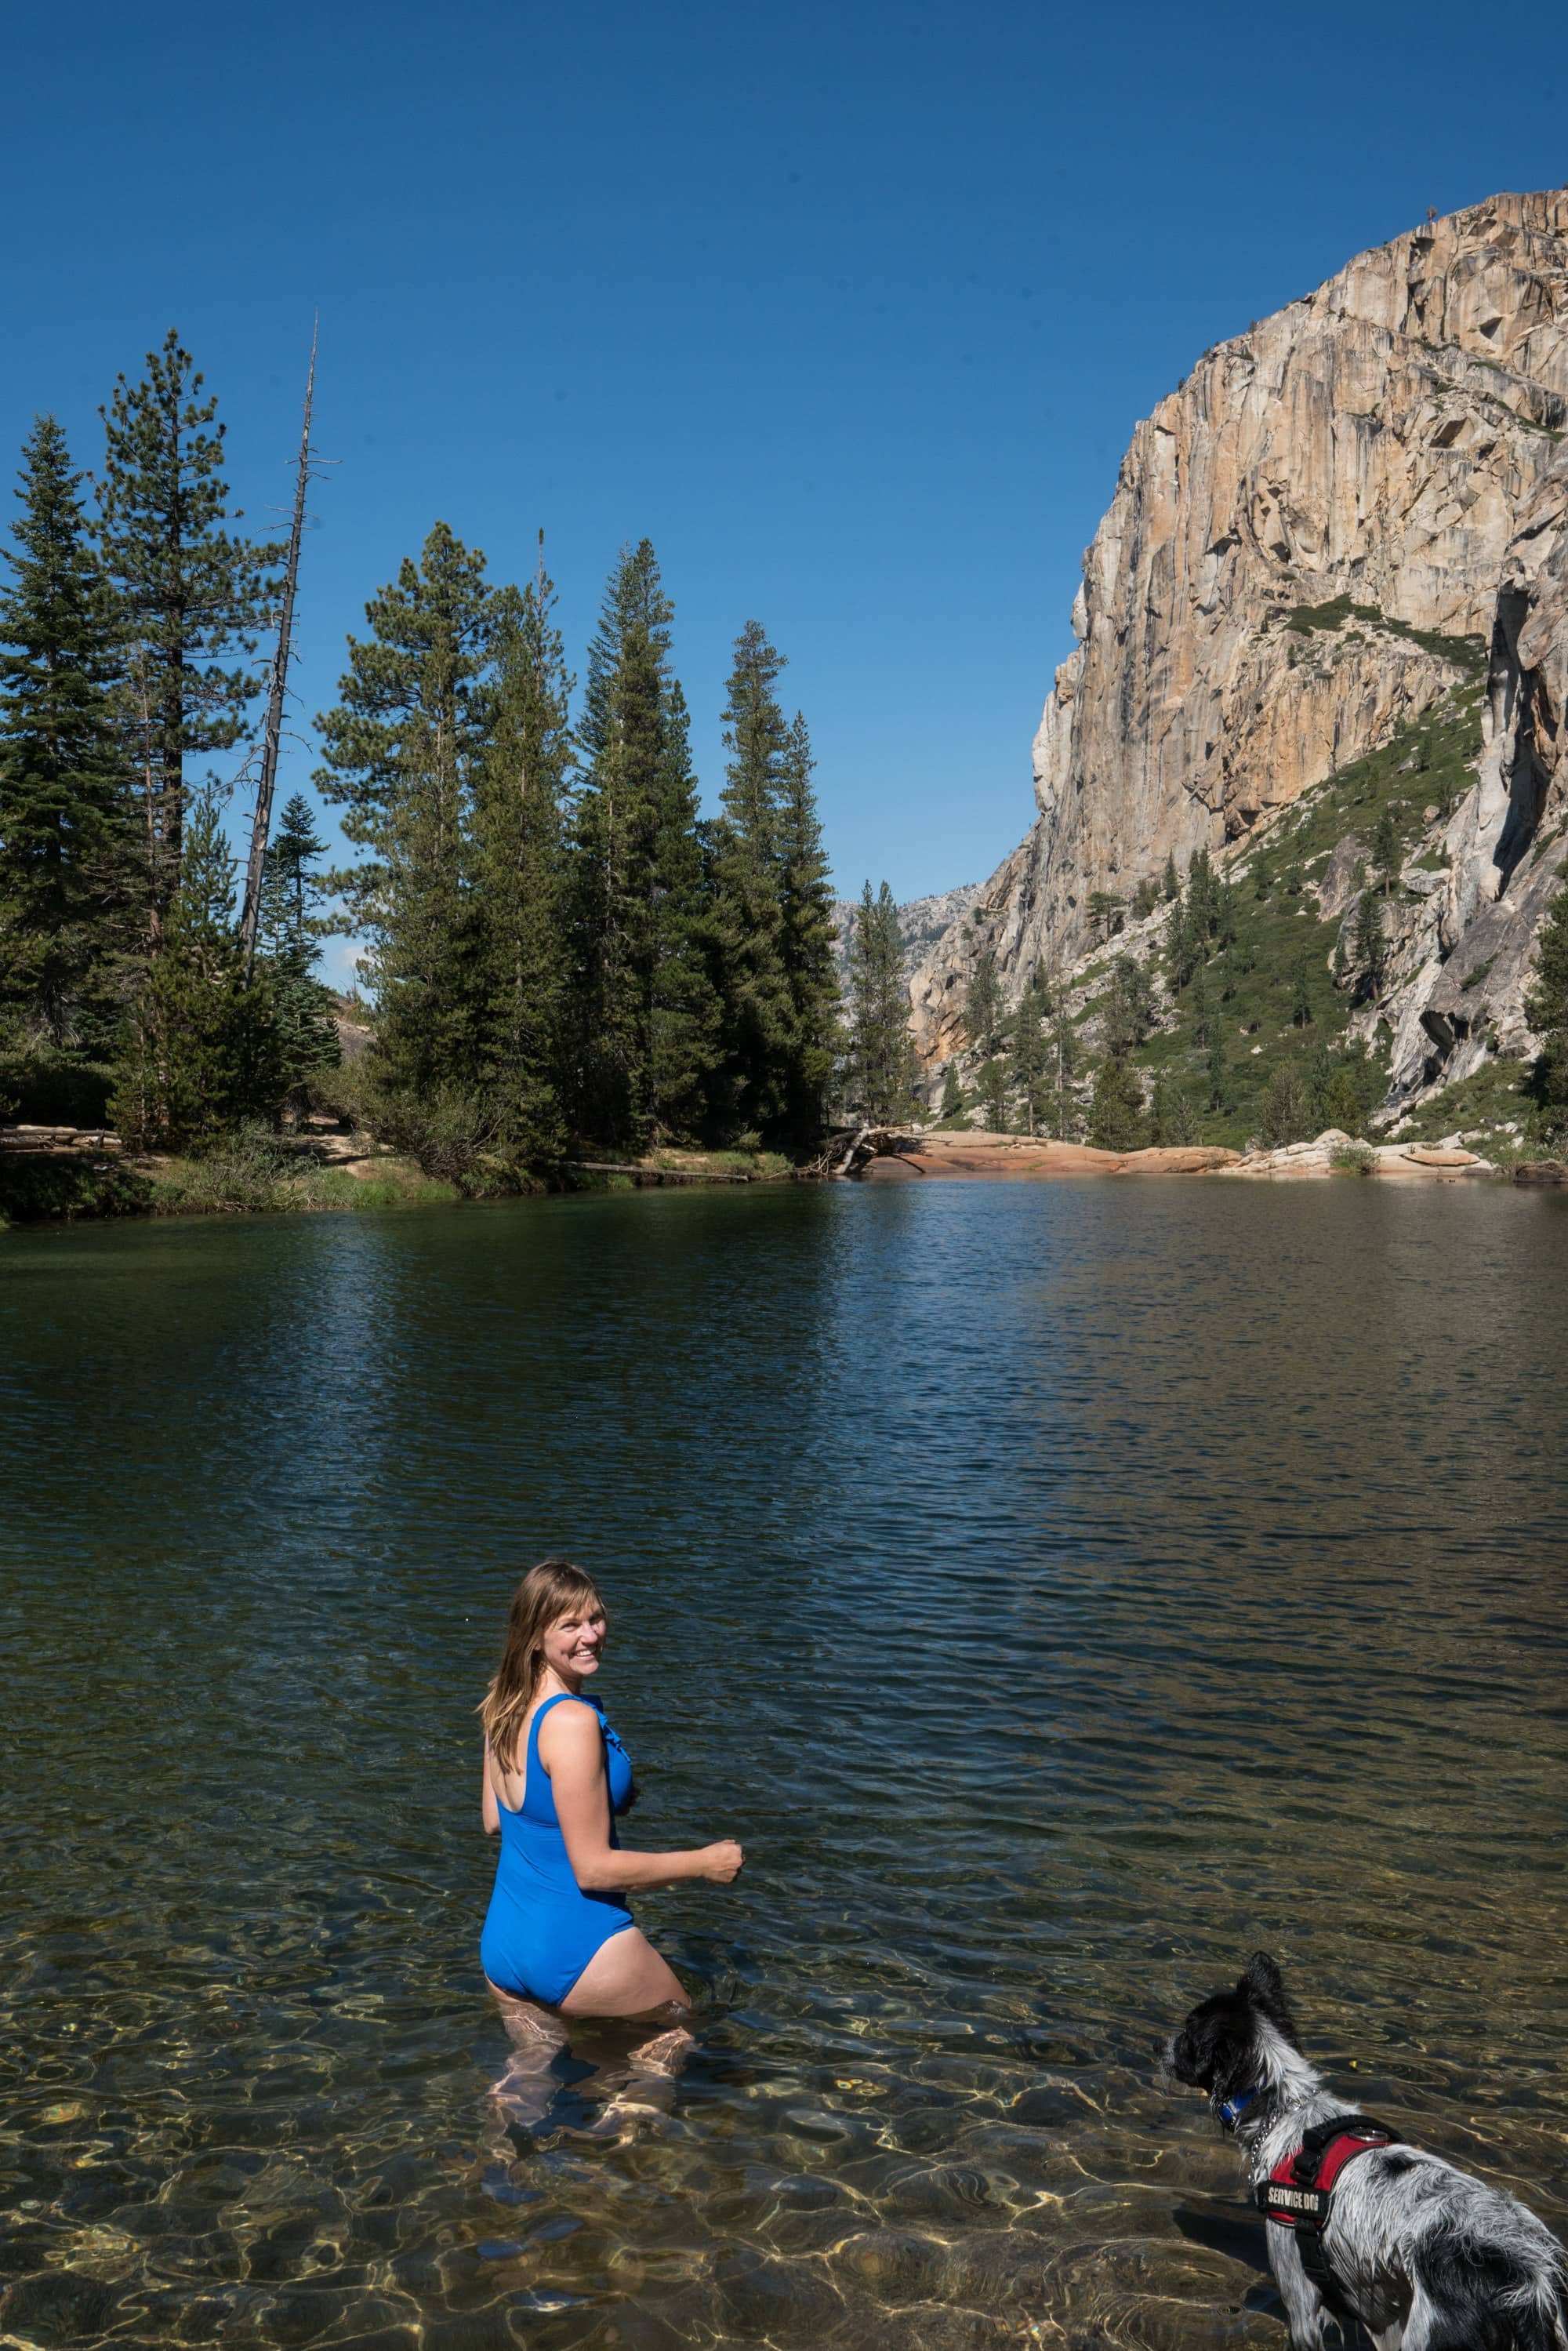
(1298, 2191)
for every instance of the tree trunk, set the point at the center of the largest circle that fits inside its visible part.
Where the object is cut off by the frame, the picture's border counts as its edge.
(261, 823)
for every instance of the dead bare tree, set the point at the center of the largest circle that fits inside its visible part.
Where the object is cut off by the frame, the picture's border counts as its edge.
(261, 823)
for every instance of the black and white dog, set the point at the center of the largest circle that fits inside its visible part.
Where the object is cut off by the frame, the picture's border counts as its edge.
(1359, 2225)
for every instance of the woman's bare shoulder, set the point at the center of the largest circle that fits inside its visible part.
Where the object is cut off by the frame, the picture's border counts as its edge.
(570, 1730)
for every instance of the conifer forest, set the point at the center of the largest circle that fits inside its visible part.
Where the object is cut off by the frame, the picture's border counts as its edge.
(557, 948)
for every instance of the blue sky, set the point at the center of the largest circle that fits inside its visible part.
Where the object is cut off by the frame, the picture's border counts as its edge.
(849, 307)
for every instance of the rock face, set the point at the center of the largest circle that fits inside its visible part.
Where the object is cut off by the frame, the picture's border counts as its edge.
(921, 924)
(1391, 445)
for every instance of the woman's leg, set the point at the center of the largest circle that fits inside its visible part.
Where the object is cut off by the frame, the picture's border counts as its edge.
(524, 2092)
(625, 1977)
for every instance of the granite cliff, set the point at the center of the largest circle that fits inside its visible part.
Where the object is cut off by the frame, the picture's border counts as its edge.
(1313, 541)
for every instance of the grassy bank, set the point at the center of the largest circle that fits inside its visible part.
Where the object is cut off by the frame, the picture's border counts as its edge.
(257, 1174)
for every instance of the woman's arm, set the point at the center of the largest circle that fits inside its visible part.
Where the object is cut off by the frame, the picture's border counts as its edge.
(572, 1748)
(489, 1810)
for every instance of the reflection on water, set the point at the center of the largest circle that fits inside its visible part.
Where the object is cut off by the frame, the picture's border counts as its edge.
(1060, 1589)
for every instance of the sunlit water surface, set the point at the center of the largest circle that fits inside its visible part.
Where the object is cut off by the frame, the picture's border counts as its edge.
(1061, 1589)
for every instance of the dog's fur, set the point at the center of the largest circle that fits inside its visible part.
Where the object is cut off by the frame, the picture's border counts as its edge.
(1429, 2258)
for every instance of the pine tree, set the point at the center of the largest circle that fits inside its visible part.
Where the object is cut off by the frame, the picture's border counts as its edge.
(1546, 1010)
(1187, 946)
(1107, 913)
(1370, 947)
(646, 1013)
(1172, 1120)
(881, 1056)
(1218, 1070)
(1203, 904)
(291, 929)
(1287, 1109)
(1341, 961)
(1168, 881)
(953, 1104)
(202, 1050)
(1063, 1046)
(1199, 1010)
(760, 1012)
(195, 598)
(1301, 992)
(402, 750)
(519, 870)
(992, 1089)
(1227, 913)
(1033, 1073)
(1385, 854)
(806, 942)
(67, 873)
(1129, 1004)
(1116, 1112)
(983, 1003)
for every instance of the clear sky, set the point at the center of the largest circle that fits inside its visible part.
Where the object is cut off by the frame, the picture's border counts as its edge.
(849, 306)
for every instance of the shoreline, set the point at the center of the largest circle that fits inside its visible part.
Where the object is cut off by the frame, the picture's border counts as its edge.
(61, 1176)
(979, 1157)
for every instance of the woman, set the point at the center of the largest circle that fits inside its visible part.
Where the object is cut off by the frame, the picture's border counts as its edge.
(558, 1931)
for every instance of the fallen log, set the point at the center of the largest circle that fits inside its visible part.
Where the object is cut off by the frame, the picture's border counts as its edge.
(655, 1174)
(847, 1150)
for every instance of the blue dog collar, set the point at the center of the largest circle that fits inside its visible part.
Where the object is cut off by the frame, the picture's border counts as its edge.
(1230, 2110)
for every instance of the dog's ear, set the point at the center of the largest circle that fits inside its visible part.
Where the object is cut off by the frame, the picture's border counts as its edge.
(1263, 1981)
(1263, 1984)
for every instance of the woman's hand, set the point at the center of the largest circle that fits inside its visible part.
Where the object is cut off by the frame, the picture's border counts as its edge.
(722, 1863)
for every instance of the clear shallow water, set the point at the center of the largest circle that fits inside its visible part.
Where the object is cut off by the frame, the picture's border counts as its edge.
(1061, 1590)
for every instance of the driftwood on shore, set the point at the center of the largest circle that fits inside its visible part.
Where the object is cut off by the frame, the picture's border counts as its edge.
(849, 1149)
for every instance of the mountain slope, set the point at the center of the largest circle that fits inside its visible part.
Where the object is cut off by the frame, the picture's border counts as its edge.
(1389, 453)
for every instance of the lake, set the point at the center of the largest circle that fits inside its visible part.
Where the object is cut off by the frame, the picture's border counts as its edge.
(1062, 1589)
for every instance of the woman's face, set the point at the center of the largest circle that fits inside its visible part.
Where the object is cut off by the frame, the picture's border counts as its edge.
(575, 1643)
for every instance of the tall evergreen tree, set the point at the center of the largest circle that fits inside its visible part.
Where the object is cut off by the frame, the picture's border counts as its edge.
(1184, 948)
(403, 748)
(983, 1003)
(1385, 853)
(806, 942)
(1116, 1112)
(202, 1049)
(1371, 945)
(881, 1057)
(194, 597)
(953, 1103)
(66, 869)
(760, 1016)
(518, 850)
(993, 1088)
(646, 1015)
(291, 927)
(1063, 1044)
(1032, 1071)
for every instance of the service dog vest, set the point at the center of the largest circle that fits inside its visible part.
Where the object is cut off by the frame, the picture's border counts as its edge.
(1298, 2191)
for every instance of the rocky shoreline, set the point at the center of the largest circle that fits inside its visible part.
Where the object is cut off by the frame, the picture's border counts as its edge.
(981, 1157)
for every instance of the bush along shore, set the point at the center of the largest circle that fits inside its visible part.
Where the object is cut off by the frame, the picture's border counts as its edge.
(59, 1173)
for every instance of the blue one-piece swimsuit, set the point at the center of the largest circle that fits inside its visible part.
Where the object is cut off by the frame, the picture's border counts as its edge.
(541, 1928)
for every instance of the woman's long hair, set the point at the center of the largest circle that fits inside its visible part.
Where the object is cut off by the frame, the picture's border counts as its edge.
(547, 1592)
